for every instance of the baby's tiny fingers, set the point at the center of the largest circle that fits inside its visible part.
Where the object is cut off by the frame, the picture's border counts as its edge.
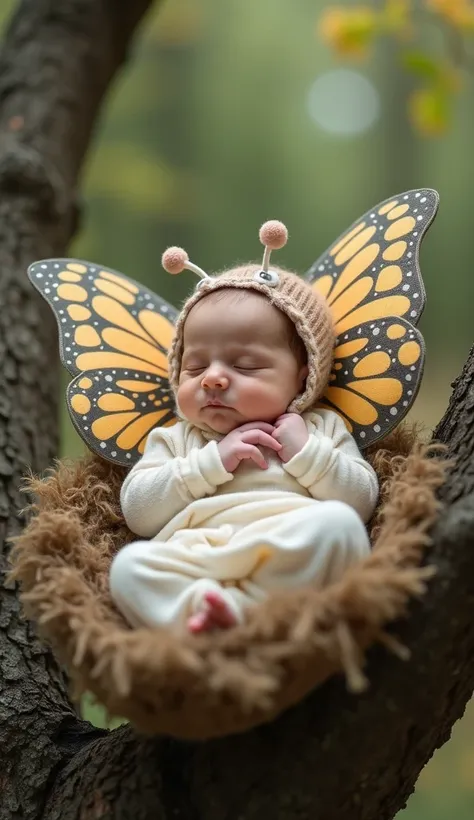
(259, 437)
(268, 441)
(256, 425)
(249, 451)
(258, 458)
(283, 418)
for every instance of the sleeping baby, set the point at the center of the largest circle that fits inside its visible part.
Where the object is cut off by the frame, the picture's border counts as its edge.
(254, 489)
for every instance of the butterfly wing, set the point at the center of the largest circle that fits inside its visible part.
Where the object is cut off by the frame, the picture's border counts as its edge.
(369, 276)
(376, 375)
(111, 329)
(114, 411)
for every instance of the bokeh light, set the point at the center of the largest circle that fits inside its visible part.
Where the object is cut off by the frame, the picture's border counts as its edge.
(343, 102)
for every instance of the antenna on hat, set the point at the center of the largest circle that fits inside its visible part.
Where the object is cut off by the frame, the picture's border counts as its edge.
(175, 260)
(273, 235)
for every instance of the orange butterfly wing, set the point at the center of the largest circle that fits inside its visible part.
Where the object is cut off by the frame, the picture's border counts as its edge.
(114, 337)
(371, 277)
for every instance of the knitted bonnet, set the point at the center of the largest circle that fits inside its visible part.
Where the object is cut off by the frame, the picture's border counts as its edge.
(305, 307)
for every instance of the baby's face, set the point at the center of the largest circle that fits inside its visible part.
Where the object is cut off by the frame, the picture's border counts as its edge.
(237, 364)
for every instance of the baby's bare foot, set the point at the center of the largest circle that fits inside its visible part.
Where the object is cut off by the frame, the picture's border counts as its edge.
(217, 614)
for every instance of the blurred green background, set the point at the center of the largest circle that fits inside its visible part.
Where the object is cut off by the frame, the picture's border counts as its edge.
(233, 113)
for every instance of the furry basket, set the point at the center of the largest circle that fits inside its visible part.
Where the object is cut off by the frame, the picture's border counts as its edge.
(216, 684)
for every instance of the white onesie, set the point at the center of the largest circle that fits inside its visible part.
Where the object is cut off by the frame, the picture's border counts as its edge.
(245, 534)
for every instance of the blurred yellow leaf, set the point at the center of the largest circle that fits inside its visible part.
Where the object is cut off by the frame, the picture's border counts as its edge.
(429, 111)
(459, 13)
(396, 17)
(349, 31)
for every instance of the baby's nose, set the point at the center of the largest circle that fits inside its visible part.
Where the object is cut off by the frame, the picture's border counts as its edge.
(215, 377)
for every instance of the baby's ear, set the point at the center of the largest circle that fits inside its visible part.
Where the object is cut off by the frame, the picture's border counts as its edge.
(303, 375)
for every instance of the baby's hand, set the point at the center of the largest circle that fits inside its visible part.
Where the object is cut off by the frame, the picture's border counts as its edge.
(242, 443)
(290, 431)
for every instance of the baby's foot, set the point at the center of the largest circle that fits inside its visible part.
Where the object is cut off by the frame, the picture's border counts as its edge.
(216, 614)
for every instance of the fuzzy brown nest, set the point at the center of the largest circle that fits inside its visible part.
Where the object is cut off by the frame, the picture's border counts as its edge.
(217, 684)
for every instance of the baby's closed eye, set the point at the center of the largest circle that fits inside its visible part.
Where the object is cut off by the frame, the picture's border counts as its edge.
(249, 364)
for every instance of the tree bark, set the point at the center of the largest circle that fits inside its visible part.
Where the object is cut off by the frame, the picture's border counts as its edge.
(333, 756)
(57, 61)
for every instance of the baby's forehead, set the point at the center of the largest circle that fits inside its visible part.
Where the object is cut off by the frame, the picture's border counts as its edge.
(235, 312)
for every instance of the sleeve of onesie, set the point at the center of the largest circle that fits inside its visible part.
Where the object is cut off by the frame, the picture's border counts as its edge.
(162, 483)
(331, 467)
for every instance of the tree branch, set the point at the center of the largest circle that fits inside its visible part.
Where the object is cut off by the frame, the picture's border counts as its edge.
(58, 59)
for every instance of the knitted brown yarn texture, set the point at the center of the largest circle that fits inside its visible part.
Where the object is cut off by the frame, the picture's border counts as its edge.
(304, 306)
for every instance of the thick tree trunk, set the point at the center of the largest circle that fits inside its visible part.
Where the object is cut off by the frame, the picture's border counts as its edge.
(56, 64)
(333, 756)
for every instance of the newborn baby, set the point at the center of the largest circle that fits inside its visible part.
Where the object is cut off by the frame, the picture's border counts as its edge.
(254, 490)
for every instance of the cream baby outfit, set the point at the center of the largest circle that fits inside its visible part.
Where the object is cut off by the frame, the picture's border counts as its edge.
(245, 534)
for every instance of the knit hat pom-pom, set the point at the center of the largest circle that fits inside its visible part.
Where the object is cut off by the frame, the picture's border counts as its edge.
(273, 234)
(174, 260)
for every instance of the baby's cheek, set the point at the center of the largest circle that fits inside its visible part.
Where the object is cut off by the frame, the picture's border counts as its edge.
(186, 396)
(266, 395)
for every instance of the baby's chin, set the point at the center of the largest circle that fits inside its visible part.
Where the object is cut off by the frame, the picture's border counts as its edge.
(223, 420)
(220, 419)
